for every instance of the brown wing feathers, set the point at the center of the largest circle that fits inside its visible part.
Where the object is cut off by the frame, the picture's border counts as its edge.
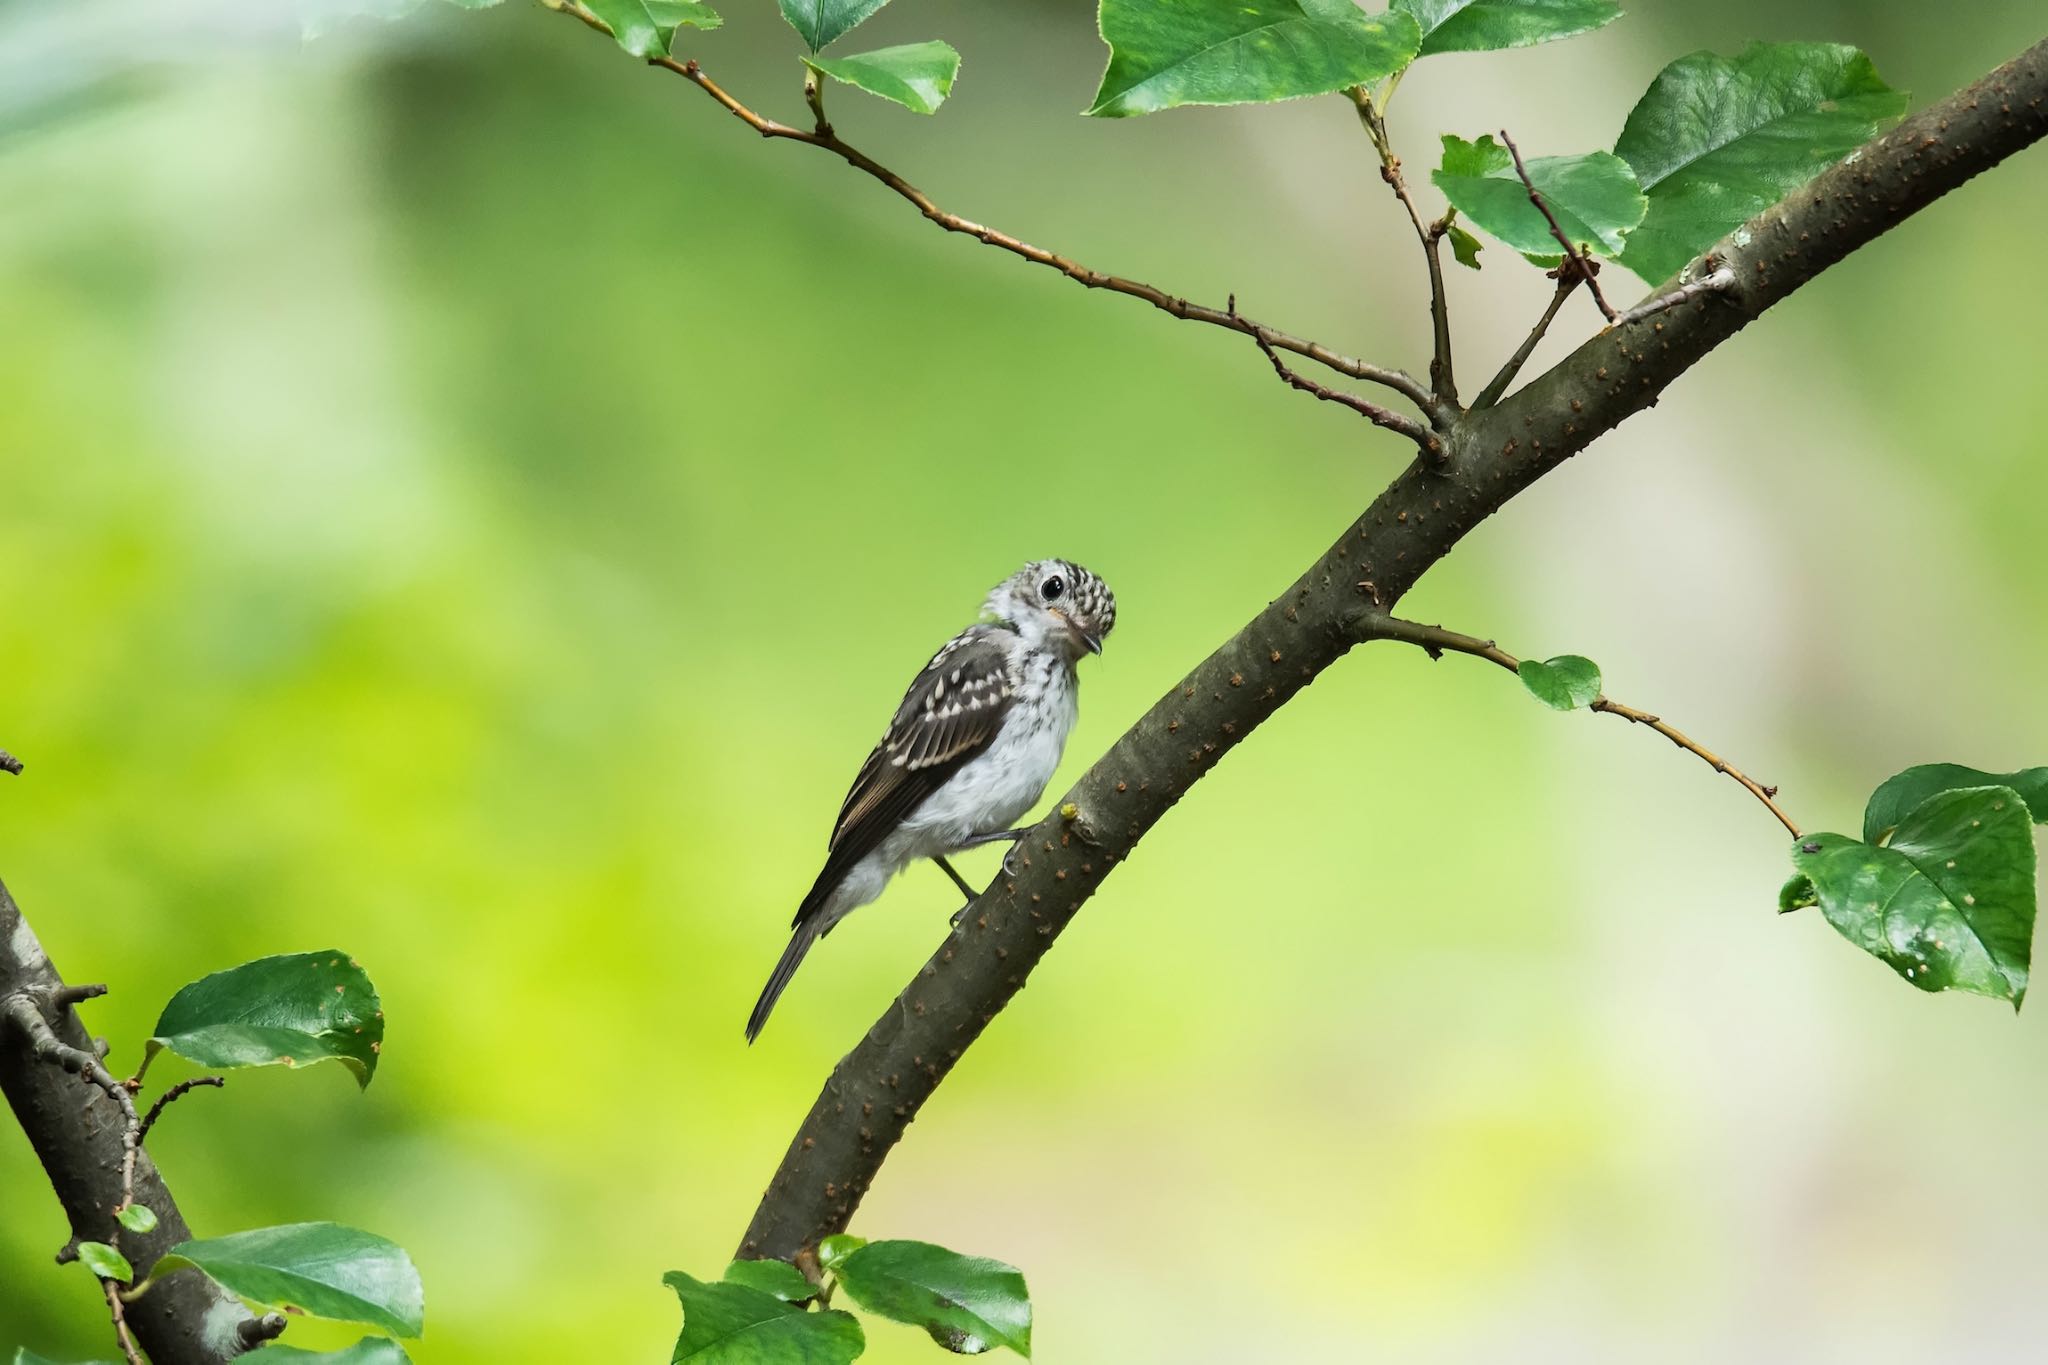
(952, 712)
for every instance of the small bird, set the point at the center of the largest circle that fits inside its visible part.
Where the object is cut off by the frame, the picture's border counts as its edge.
(968, 753)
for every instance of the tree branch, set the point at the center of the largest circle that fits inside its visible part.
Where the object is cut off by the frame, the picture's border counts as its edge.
(86, 1138)
(1498, 385)
(1717, 278)
(176, 1092)
(1423, 437)
(1435, 640)
(823, 137)
(1443, 383)
(1494, 454)
(1576, 264)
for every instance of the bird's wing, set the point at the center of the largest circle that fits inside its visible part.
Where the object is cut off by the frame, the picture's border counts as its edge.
(951, 713)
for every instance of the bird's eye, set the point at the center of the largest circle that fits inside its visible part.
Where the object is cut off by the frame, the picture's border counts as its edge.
(1053, 588)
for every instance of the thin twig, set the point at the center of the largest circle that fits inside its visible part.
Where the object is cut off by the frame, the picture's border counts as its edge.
(1404, 384)
(1372, 412)
(1442, 380)
(1719, 279)
(178, 1091)
(1576, 263)
(129, 1351)
(1434, 640)
(1498, 385)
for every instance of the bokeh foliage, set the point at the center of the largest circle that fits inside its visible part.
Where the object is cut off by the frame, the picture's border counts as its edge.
(465, 500)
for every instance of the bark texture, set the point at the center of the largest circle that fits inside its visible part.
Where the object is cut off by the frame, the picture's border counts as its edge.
(1490, 455)
(77, 1133)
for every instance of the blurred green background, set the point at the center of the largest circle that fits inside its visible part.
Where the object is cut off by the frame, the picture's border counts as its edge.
(464, 501)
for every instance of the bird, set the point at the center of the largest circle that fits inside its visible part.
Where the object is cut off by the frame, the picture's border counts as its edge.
(968, 752)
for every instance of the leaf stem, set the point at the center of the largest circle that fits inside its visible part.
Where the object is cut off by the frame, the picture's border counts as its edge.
(163, 1101)
(1435, 640)
(1386, 95)
(814, 95)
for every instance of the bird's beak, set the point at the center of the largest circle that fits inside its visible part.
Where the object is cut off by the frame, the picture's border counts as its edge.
(1088, 639)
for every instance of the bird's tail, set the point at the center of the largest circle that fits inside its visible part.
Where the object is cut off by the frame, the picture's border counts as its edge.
(799, 944)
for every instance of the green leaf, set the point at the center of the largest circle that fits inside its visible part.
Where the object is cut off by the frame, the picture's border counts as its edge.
(1949, 903)
(105, 1262)
(818, 22)
(1716, 141)
(1900, 794)
(967, 1304)
(368, 1351)
(1488, 25)
(732, 1324)
(1595, 196)
(836, 1248)
(1242, 51)
(917, 76)
(779, 1278)
(292, 1011)
(322, 1269)
(1465, 246)
(1797, 894)
(137, 1218)
(1564, 684)
(24, 1356)
(646, 28)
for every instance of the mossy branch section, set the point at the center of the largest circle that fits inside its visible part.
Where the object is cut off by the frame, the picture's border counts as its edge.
(1490, 456)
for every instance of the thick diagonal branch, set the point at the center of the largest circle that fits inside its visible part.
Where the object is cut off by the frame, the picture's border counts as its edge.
(79, 1132)
(877, 1089)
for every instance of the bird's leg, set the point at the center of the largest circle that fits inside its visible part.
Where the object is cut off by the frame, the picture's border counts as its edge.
(1013, 835)
(957, 878)
(977, 840)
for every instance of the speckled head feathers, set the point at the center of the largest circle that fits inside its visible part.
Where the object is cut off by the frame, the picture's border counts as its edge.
(1056, 603)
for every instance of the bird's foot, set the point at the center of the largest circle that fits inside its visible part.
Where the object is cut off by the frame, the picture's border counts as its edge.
(977, 840)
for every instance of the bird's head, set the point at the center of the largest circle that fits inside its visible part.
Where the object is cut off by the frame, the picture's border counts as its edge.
(1055, 604)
